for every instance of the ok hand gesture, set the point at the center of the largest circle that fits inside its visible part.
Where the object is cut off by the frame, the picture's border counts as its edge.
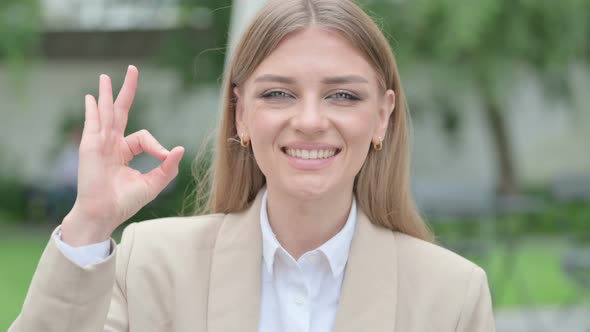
(109, 191)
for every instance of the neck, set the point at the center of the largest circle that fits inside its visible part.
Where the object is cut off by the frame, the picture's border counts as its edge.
(302, 225)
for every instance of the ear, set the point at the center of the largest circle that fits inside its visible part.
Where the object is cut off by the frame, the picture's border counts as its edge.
(240, 116)
(385, 110)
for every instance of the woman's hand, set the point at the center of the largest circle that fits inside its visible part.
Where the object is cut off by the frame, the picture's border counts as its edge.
(109, 191)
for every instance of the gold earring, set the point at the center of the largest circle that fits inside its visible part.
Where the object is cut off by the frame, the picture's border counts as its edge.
(378, 146)
(243, 142)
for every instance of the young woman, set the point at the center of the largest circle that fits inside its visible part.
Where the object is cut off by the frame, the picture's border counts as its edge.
(312, 224)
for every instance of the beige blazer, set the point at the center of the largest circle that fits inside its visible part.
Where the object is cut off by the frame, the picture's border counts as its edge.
(204, 274)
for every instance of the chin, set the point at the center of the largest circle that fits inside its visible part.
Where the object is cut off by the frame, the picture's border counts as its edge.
(306, 189)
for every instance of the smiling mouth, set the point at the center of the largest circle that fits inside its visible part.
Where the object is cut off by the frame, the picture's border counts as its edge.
(315, 154)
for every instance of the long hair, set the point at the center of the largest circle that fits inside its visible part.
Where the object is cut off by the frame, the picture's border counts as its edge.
(382, 186)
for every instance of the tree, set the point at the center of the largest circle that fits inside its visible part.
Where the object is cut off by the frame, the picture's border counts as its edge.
(19, 34)
(484, 41)
(198, 59)
(242, 13)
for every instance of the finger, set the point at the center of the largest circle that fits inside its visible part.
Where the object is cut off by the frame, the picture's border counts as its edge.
(143, 141)
(170, 164)
(159, 177)
(125, 99)
(91, 120)
(105, 103)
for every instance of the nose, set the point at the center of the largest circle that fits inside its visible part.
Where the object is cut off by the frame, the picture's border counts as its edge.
(309, 118)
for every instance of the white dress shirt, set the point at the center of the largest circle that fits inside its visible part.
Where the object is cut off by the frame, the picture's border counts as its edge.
(302, 295)
(84, 255)
(296, 296)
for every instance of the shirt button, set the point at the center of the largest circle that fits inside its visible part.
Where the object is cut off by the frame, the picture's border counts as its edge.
(299, 300)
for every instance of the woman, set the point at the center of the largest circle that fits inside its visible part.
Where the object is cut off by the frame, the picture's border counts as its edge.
(312, 225)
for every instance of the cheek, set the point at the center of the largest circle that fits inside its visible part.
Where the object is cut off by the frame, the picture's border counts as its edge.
(357, 132)
(263, 125)
(359, 143)
(358, 128)
(360, 134)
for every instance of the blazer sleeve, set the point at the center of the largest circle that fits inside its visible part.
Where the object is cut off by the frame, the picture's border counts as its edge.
(65, 297)
(477, 314)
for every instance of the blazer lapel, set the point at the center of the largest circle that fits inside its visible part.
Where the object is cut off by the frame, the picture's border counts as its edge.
(368, 298)
(235, 284)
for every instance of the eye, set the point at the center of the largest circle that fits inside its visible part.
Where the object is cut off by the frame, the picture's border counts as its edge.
(275, 94)
(343, 95)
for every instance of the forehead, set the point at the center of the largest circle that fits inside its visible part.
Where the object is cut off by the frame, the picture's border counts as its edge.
(313, 53)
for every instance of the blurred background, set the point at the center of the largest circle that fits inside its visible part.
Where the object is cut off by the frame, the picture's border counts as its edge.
(498, 91)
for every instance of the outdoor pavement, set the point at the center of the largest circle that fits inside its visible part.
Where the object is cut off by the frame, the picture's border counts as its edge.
(567, 319)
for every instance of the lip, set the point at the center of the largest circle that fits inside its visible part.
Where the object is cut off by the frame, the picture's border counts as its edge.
(310, 146)
(310, 164)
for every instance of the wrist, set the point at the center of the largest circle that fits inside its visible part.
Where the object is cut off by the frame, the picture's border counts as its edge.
(78, 232)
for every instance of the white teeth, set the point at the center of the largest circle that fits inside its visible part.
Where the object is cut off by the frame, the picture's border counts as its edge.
(311, 154)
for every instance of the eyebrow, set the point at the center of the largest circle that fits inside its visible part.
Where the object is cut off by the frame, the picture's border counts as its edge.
(347, 79)
(344, 79)
(275, 78)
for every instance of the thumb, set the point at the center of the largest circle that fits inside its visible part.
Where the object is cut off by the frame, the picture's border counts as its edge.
(158, 178)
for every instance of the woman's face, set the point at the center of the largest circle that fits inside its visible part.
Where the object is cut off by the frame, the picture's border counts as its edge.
(311, 110)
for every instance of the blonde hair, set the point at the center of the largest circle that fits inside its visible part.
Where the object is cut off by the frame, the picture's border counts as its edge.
(382, 186)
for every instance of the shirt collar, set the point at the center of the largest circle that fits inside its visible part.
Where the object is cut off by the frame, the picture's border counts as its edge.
(335, 250)
(270, 244)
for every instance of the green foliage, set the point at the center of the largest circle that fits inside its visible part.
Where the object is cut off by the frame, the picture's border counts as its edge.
(19, 36)
(20, 202)
(197, 51)
(563, 219)
(482, 42)
(19, 28)
(13, 200)
(479, 33)
(531, 275)
(179, 199)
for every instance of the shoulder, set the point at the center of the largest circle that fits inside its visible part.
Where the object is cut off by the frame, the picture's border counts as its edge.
(435, 279)
(435, 269)
(154, 252)
(200, 232)
(423, 256)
